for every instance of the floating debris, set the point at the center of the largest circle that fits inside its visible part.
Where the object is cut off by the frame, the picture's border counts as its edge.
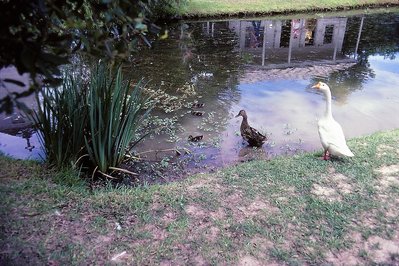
(118, 226)
(116, 257)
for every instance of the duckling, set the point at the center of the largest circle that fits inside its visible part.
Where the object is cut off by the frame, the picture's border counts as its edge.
(197, 113)
(197, 105)
(196, 138)
(250, 134)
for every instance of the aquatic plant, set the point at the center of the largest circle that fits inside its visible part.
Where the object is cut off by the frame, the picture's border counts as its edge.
(61, 119)
(99, 121)
(115, 113)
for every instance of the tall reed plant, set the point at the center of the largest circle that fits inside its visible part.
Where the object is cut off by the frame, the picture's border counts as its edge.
(115, 113)
(61, 119)
(99, 121)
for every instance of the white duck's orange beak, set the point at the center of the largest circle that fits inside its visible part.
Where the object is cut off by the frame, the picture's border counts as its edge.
(317, 86)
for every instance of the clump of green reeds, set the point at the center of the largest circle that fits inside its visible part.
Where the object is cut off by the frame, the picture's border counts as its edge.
(99, 120)
(61, 119)
(115, 113)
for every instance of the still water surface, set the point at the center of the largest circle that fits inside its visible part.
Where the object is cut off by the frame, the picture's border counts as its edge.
(267, 66)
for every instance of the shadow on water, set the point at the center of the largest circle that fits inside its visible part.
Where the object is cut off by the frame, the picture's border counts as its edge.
(205, 72)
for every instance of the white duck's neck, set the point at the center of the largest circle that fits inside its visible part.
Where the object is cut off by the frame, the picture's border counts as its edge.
(328, 112)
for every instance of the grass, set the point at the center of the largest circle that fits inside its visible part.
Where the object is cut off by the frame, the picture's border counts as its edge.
(203, 8)
(290, 210)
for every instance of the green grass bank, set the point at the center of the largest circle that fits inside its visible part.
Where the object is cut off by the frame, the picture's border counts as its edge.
(210, 8)
(289, 210)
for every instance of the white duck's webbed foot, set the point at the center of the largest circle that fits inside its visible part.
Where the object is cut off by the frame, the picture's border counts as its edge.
(326, 155)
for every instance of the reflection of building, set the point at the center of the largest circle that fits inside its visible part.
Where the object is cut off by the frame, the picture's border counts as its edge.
(287, 43)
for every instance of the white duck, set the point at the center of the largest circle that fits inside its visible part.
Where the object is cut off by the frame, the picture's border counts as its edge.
(331, 135)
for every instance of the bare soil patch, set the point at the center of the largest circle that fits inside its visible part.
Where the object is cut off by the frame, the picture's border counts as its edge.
(249, 261)
(381, 250)
(258, 207)
(325, 193)
(388, 170)
(383, 150)
(339, 185)
(347, 257)
(196, 211)
(158, 233)
(388, 176)
(374, 250)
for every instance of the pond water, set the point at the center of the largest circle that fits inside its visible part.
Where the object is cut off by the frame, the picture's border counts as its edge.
(267, 67)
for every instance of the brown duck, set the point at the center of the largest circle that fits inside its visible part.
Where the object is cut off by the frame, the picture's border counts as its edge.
(250, 134)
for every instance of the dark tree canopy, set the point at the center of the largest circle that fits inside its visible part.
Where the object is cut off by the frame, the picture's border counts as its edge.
(37, 36)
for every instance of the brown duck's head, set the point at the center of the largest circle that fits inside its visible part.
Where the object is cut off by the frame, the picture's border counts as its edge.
(242, 113)
(321, 86)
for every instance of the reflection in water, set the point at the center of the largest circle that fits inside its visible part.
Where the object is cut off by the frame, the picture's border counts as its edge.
(21, 146)
(267, 67)
(289, 43)
(17, 137)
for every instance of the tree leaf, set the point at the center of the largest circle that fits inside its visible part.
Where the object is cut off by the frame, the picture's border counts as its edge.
(16, 82)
